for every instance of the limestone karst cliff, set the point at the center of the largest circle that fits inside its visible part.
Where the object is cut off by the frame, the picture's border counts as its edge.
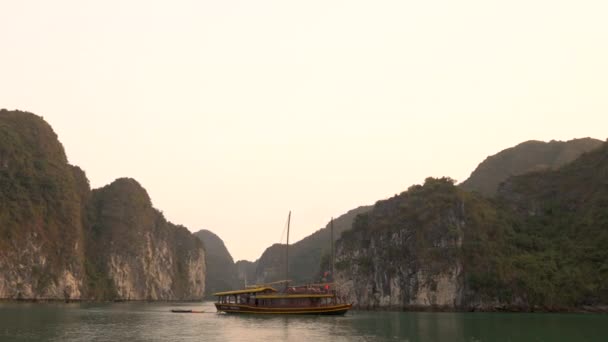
(221, 270)
(407, 251)
(539, 245)
(146, 257)
(41, 217)
(60, 240)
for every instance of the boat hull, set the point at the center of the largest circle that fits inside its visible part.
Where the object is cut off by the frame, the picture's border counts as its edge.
(340, 309)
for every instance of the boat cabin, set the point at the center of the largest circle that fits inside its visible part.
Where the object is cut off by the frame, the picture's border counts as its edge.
(268, 297)
(246, 296)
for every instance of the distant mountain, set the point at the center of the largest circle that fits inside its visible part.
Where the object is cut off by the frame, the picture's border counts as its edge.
(526, 157)
(305, 255)
(246, 272)
(539, 244)
(221, 270)
(60, 240)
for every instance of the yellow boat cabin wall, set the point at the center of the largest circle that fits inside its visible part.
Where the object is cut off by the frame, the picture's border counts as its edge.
(269, 297)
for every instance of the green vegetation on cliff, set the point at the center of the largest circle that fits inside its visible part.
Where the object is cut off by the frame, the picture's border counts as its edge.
(539, 244)
(60, 240)
(146, 256)
(410, 250)
(526, 157)
(41, 197)
(559, 233)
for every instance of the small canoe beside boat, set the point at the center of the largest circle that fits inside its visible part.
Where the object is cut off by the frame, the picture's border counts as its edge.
(186, 311)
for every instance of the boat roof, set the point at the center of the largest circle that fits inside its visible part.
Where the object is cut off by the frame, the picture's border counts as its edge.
(282, 295)
(253, 290)
(269, 284)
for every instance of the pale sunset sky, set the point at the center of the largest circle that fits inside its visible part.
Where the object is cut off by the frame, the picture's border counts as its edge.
(232, 113)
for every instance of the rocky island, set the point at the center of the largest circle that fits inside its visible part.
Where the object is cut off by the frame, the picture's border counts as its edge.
(538, 245)
(526, 232)
(60, 240)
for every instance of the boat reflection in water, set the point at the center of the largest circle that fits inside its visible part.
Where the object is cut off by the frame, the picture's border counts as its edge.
(316, 299)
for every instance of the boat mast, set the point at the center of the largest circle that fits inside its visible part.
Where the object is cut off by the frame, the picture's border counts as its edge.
(332, 248)
(287, 252)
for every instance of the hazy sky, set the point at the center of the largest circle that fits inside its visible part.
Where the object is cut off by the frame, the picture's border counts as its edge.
(232, 113)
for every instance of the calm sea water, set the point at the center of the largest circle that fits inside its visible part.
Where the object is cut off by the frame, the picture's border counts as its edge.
(155, 322)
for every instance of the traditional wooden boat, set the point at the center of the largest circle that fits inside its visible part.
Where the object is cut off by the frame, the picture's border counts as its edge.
(311, 299)
(318, 299)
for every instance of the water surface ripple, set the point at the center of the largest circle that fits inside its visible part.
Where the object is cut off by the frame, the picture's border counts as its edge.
(155, 322)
